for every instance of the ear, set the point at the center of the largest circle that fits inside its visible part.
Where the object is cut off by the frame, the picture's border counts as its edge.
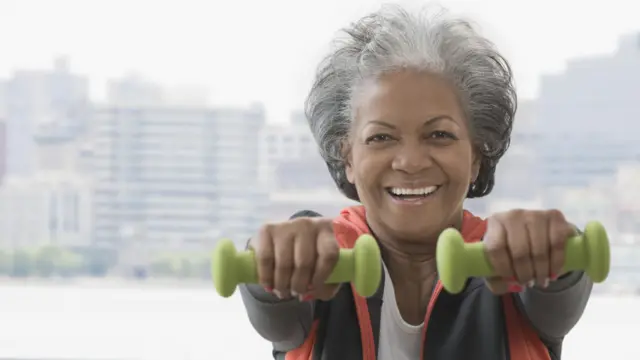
(475, 168)
(348, 160)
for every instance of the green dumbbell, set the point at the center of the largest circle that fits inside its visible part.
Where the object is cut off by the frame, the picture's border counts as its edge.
(361, 265)
(458, 260)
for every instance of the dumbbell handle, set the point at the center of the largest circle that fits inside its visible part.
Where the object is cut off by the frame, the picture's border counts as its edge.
(246, 270)
(343, 271)
(478, 263)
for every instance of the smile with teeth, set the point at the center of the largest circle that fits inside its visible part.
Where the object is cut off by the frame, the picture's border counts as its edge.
(411, 194)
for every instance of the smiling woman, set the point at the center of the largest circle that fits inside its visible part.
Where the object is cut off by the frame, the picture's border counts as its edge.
(412, 112)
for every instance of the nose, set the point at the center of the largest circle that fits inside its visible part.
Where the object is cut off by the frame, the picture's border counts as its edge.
(412, 158)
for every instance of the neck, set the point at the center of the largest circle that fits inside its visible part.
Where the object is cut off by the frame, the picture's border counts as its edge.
(409, 262)
(410, 259)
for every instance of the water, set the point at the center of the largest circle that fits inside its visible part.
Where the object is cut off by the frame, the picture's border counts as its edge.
(121, 322)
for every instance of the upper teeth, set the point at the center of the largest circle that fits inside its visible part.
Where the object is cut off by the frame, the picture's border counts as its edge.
(421, 191)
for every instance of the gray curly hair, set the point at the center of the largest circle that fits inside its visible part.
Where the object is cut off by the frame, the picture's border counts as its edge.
(428, 40)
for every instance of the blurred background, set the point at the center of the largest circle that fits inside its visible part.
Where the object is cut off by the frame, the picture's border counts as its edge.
(135, 134)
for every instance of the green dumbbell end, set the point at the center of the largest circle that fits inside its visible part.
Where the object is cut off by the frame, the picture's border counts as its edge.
(597, 251)
(367, 270)
(450, 255)
(223, 268)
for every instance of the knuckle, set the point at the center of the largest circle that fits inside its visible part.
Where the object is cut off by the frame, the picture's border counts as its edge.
(267, 228)
(516, 214)
(539, 256)
(531, 217)
(305, 266)
(265, 256)
(495, 247)
(501, 216)
(265, 259)
(555, 214)
(540, 252)
(331, 256)
(284, 266)
(302, 223)
(520, 256)
(303, 227)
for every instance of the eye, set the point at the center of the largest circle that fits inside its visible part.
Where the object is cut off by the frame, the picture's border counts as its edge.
(442, 135)
(378, 138)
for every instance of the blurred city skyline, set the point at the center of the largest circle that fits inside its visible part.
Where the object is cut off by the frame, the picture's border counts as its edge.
(152, 168)
(135, 134)
(216, 49)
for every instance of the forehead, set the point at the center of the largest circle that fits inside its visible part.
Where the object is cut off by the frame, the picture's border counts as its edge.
(406, 97)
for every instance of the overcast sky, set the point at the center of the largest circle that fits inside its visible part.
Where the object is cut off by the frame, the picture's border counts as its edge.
(266, 50)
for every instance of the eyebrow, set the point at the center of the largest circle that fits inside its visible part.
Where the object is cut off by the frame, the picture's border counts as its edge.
(427, 122)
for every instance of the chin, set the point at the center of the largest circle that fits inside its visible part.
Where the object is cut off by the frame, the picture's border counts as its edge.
(410, 228)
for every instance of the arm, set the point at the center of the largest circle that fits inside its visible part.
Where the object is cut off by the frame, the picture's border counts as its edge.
(554, 311)
(286, 323)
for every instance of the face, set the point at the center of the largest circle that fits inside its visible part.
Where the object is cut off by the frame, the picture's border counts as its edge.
(410, 155)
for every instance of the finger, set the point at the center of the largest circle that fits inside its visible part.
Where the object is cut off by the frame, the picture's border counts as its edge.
(265, 257)
(304, 262)
(498, 285)
(519, 249)
(283, 248)
(496, 249)
(328, 253)
(538, 229)
(559, 232)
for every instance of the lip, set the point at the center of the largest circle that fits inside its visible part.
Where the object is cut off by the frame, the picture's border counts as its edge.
(416, 201)
(414, 185)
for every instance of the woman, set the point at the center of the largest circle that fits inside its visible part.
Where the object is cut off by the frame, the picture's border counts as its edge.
(412, 113)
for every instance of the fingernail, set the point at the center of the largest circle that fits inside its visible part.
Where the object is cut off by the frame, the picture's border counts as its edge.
(515, 288)
(277, 293)
(554, 277)
(531, 283)
(294, 293)
(268, 288)
(545, 283)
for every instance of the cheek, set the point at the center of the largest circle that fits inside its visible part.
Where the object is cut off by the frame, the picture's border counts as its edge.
(368, 172)
(460, 167)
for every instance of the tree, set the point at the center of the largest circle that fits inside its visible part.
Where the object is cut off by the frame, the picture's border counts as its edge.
(5, 263)
(45, 261)
(22, 264)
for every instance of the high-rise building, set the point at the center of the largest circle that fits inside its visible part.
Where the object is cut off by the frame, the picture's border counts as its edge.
(31, 98)
(290, 159)
(587, 118)
(176, 175)
(3, 149)
(46, 208)
(60, 148)
(516, 174)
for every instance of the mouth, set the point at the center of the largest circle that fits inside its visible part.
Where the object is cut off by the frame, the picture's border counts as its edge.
(412, 196)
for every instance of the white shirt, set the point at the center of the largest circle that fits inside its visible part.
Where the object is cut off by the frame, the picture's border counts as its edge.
(399, 340)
